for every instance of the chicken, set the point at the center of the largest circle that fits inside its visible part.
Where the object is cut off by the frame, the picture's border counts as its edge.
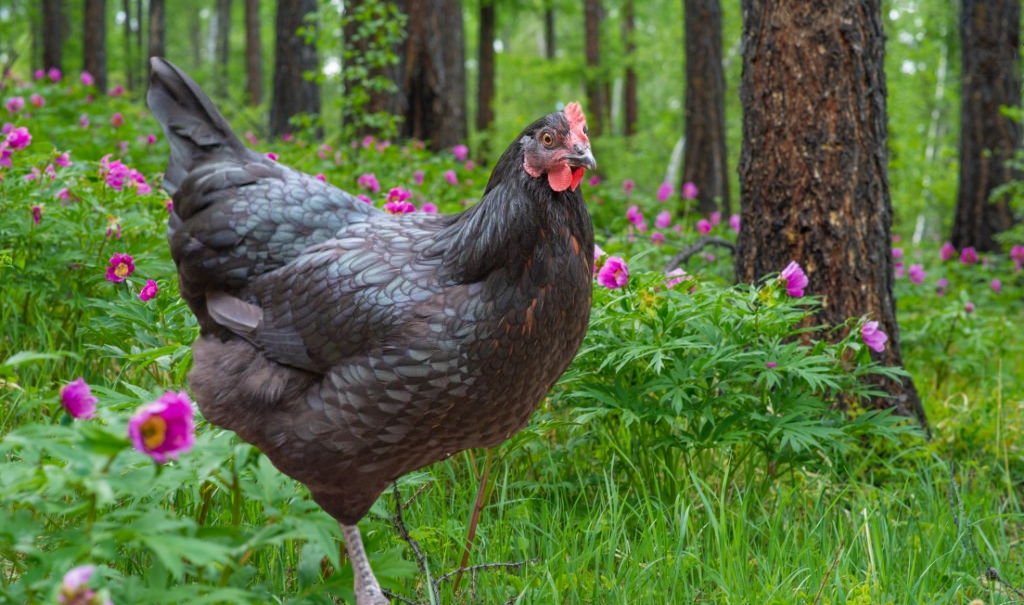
(353, 346)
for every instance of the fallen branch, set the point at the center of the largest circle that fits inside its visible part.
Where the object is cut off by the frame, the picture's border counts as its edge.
(684, 255)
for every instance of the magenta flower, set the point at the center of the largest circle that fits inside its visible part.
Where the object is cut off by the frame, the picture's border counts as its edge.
(148, 291)
(948, 252)
(598, 255)
(249, 136)
(273, 156)
(116, 91)
(87, 79)
(287, 137)
(461, 152)
(117, 120)
(19, 138)
(37, 214)
(614, 273)
(897, 252)
(397, 194)
(399, 207)
(74, 589)
(470, 165)
(634, 215)
(15, 104)
(368, 181)
(39, 74)
(917, 274)
(874, 338)
(664, 219)
(429, 208)
(77, 399)
(716, 218)
(665, 191)
(114, 173)
(997, 285)
(1017, 253)
(969, 307)
(320, 177)
(690, 190)
(417, 177)
(163, 429)
(324, 151)
(54, 74)
(703, 226)
(628, 186)
(5, 155)
(121, 266)
(771, 365)
(899, 269)
(793, 279)
(37, 100)
(676, 277)
(365, 198)
(63, 160)
(63, 194)
(968, 256)
(657, 238)
(449, 176)
(594, 181)
(83, 121)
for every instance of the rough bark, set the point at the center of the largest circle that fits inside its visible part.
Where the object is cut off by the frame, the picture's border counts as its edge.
(141, 66)
(223, 45)
(53, 34)
(94, 42)
(485, 88)
(253, 52)
(629, 90)
(990, 78)
(157, 27)
(129, 65)
(704, 162)
(595, 84)
(195, 38)
(549, 32)
(814, 186)
(293, 93)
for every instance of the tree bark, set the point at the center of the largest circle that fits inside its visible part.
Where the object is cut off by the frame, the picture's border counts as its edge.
(157, 26)
(53, 34)
(629, 90)
(814, 186)
(94, 42)
(549, 32)
(141, 67)
(485, 89)
(990, 78)
(223, 46)
(293, 93)
(595, 83)
(129, 65)
(704, 158)
(195, 37)
(253, 52)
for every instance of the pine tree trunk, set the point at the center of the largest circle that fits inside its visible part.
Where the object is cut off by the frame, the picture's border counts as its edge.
(140, 61)
(129, 66)
(629, 91)
(195, 36)
(814, 186)
(223, 46)
(485, 89)
(549, 32)
(253, 52)
(53, 34)
(157, 27)
(94, 42)
(704, 158)
(595, 84)
(293, 93)
(990, 79)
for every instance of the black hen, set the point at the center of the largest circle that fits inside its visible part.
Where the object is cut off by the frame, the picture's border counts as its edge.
(353, 346)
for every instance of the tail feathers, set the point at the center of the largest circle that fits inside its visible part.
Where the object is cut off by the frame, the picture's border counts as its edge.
(195, 129)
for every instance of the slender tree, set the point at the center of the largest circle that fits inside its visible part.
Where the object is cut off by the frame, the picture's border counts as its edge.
(53, 34)
(549, 30)
(94, 42)
(157, 26)
(704, 159)
(223, 45)
(293, 92)
(485, 89)
(629, 90)
(814, 186)
(195, 36)
(253, 52)
(595, 83)
(129, 65)
(990, 79)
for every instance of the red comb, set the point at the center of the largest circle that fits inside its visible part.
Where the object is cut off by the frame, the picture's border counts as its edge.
(574, 113)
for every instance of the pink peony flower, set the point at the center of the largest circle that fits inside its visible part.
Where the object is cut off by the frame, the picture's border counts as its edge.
(287, 137)
(368, 181)
(874, 338)
(63, 194)
(793, 279)
(716, 218)
(594, 181)
(77, 399)
(461, 152)
(470, 165)
(703, 226)
(273, 156)
(451, 178)
(676, 277)
(664, 219)
(628, 186)
(969, 307)
(39, 74)
(771, 365)
(397, 194)
(948, 252)
(1017, 253)
(365, 198)
(117, 120)
(429, 208)
(968, 256)
(19, 138)
(997, 285)
(324, 151)
(898, 269)
(897, 252)
(657, 238)
(87, 79)
(116, 91)
(15, 104)
(896, 238)
(598, 255)
(83, 121)
(63, 160)
(121, 266)
(399, 207)
(634, 215)
(5, 155)
(417, 177)
(74, 589)
(37, 100)
(690, 190)
(665, 191)
(54, 74)
(148, 291)
(917, 274)
(37, 214)
(249, 136)
(150, 139)
(163, 429)
(320, 177)
(614, 273)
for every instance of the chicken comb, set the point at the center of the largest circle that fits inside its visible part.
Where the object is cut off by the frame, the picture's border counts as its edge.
(574, 113)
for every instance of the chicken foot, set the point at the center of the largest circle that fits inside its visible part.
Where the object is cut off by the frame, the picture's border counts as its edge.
(367, 588)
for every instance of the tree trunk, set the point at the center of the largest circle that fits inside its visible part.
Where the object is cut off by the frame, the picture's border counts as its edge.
(814, 186)
(157, 25)
(629, 91)
(94, 42)
(53, 34)
(704, 159)
(223, 46)
(990, 78)
(549, 32)
(293, 93)
(129, 66)
(485, 90)
(595, 82)
(253, 52)
(195, 36)
(140, 63)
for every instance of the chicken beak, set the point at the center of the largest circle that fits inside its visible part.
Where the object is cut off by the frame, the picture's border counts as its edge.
(583, 158)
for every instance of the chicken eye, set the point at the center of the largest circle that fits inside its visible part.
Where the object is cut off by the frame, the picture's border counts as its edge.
(547, 139)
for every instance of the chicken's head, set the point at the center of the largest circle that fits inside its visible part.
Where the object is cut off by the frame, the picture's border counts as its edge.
(559, 146)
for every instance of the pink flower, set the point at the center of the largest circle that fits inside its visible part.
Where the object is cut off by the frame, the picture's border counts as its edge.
(148, 291)
(703, 226)
(429, 208)
(150, 139)
(899, 269)
(874, 338)
(664, 219)
(1017, 253)
(87, 79)
(948, 252)
(249, 136)
(121, 266)
(657, 238)
(897, 252)
(614, 273)
(368, 181)
(39, 74)
(594, 181)
(19, 138)
(287, 137)
(163, 429)
(451, 178)
(115, 173)
(116, 91)
(676, 277)
(598, 255)
(365, 198)
(367, 142)
(54, 74)
(628, 186)
(273, 156)
(896, 238)
(771, 365)
(5, 155)
(917, 274)
(324, 151)
(37, 214)
(74, 589)
(77, 399)
(320, 177)
(63, 194)
(37, 100)
(968, 256)
(63, 160)
(470, 165)
(461, 152)
(716, 218)
(397, 194)
(997, 285)
(417, 177)
(399, 207)
(117, 120)
(969, 307)
(665, 191)
(15, 104)
(170, 206)
(793, 279)
(690, 190)
(83, 121)
(634, 215)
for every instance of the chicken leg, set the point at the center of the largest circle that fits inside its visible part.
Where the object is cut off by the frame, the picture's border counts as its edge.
(367, 588)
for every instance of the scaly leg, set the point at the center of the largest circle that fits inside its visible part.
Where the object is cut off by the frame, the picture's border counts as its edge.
(366, 587)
